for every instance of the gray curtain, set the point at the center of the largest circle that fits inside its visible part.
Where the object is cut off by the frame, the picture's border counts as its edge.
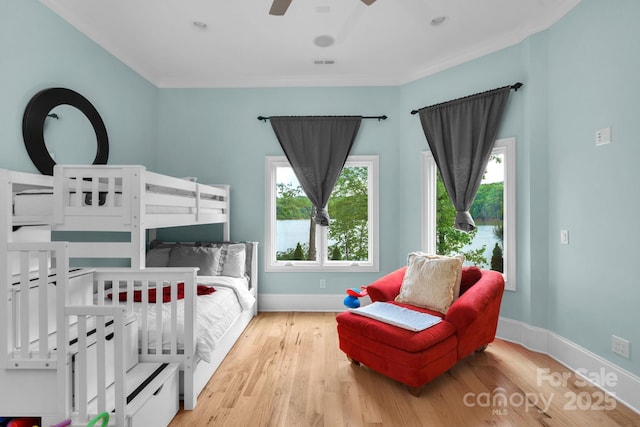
(317, 149)
(461, 134)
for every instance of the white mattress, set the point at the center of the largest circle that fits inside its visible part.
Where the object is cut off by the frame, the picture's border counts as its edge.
(33, 203)
(40, 203)
(216, 313)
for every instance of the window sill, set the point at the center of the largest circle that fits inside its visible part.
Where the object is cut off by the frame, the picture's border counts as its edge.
(315, 268)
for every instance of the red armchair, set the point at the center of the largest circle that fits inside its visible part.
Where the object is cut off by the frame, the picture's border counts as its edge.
(415, 358)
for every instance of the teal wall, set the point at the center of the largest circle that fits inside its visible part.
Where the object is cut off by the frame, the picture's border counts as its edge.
(38, 50)
(579, 76)
(594, 192)
(214, 134)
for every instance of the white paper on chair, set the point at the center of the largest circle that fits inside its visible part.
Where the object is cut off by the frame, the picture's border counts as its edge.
(397, 316)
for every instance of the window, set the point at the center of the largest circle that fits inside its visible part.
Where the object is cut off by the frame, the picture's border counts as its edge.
(349, 243)
(493, 244)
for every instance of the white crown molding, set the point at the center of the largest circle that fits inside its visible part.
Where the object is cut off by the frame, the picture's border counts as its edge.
(78, 22)
(400, 77)
(487, 47)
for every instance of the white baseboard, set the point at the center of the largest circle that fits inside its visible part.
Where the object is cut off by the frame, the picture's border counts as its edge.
(300, 302)
(571, 355)
(624, 385)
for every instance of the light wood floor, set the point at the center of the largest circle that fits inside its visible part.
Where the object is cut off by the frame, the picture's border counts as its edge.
(287, 370)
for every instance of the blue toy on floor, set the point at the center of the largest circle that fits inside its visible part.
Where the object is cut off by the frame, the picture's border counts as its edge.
(351, 300)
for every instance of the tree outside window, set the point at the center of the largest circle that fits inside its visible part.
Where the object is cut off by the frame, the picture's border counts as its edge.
(493, 244)
(347, 243)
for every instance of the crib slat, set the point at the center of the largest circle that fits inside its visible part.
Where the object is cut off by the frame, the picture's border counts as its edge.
(24, 304)
(158, 318)
(100, 285)
(115, 292)
(174, 317)
(43, 329)
(144, 314)
(95, 193)
(111, 192)
(101, 364)
(119, 370)
(81, 362)
(77, 196)
(198, 202)
(130, 296)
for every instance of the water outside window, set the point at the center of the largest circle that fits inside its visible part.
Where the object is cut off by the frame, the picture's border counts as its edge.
(348, 208)
(484, 246)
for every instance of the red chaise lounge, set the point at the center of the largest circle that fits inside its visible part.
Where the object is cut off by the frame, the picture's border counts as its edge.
(415, 358)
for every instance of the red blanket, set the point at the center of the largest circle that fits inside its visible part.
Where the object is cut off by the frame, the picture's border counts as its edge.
(166, 293)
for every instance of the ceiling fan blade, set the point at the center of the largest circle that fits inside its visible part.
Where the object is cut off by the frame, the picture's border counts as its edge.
(279, 7)
(368, 2)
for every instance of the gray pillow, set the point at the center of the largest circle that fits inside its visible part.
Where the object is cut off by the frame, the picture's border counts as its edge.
(234, 260)
(207, 258)
(158, 257)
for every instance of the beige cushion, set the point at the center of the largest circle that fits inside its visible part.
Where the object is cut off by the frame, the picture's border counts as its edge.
(431, 281)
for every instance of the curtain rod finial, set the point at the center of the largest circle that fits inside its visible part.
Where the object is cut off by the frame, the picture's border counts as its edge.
(517, 86)
(263, 118)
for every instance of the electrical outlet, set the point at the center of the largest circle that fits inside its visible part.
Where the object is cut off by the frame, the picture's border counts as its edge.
(603, 136)
(323, 283)
(620, 346)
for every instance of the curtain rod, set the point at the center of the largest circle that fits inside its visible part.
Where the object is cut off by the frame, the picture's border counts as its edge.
(514, 86)
(383, 117)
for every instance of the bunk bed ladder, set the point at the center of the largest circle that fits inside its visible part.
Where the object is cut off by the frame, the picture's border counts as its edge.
(112, 379)
(27, 341)
(108, 396)
(23, 311)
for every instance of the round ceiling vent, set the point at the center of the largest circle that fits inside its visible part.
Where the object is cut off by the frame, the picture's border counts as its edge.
(200, 25)
(323, 41)
(438, 20)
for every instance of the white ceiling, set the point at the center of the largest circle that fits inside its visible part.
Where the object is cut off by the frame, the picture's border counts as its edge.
(391, 42)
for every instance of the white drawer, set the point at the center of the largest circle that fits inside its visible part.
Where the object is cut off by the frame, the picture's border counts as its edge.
(163, 403)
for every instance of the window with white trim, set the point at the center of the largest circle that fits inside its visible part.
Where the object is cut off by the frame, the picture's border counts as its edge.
(348, 244)
(493, 244)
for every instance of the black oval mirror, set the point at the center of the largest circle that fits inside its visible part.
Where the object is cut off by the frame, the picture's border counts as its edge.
(39, 109)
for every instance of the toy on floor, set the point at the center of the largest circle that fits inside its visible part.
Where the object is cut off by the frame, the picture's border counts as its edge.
(351, 300)
(104, 416)
(23, 422)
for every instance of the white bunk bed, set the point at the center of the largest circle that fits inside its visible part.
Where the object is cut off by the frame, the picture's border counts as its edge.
(133, 200)
(211, 327)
